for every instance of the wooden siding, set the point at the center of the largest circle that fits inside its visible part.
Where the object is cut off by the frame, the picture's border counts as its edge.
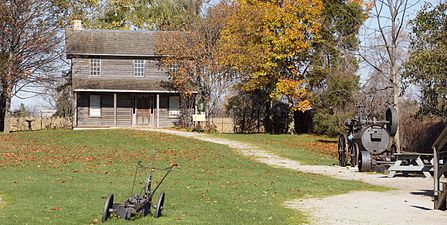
(119, 69)
(165, 121)
(80, 67)
(124, 110)
(106, 118)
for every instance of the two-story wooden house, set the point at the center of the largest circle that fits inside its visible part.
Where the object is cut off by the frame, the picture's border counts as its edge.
(118, 80)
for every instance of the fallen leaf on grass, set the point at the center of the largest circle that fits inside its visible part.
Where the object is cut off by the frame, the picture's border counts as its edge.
(55, 208)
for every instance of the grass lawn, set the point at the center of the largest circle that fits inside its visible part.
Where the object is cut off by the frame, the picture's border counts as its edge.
(63, 177)
(305, 148)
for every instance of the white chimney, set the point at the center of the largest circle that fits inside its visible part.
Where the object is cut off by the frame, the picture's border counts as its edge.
(77, 24)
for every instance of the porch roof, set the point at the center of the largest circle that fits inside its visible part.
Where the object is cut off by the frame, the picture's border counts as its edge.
(121, 84)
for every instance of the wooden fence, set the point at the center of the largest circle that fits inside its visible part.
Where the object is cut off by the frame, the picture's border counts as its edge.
(224, 124)
(37, 123)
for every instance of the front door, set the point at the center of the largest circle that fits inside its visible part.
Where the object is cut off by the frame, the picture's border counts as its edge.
(142, 103)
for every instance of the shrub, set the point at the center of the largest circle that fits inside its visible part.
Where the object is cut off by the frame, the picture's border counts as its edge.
(247, 111)
(417, 132)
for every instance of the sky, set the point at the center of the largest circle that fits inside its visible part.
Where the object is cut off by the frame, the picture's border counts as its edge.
(37, 102)
(369, 29)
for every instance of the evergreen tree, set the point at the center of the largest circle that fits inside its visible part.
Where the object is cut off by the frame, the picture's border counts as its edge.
(426, 66)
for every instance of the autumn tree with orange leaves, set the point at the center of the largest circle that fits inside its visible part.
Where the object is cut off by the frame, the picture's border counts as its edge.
(195, 54)
(270, 43)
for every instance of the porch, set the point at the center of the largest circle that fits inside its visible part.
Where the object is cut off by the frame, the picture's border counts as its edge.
(125, 109)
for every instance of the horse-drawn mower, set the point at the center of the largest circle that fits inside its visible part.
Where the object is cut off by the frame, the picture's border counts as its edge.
(139, 204)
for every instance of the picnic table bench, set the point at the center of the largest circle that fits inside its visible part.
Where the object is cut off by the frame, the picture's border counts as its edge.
(412, 162)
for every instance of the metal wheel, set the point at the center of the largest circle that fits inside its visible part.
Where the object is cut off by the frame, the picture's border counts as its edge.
(160, 203)
(147, 208)
(107, 206)
(342, 150)
(365, 162)
(354, 154)
(393, 120)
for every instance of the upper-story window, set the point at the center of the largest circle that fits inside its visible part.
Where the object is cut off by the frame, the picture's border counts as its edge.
(95, 67)
(173, 68)
(138, 68)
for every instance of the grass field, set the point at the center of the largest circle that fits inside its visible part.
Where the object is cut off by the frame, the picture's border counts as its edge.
(305, 148)
(63, 177)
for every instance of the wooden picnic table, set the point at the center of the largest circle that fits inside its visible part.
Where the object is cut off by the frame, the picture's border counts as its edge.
(412, 162)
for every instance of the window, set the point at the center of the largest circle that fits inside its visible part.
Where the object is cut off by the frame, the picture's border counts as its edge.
(95, 67)
(95, 106)
(138, 68)
(173, 68)
(174, 102)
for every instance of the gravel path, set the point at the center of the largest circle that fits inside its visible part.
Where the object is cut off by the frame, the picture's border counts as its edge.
(410, 203)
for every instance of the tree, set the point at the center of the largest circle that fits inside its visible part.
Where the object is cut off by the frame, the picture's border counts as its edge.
(30, 44)
(246, 109)
(334, 81)
(386, 49)
(195, 53)
(22, 111)
(58, 92)
(147, 14)
(28, 39)
(375, 95)
(426, 65)
(269, 43)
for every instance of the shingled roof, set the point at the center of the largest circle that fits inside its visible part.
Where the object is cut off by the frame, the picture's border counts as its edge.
(112, 43)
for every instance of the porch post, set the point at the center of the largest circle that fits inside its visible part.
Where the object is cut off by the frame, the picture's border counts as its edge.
(114, 109)
(158, 110)
(75, 105)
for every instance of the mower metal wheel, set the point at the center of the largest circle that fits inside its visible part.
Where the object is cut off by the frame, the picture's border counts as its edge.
(146, 209)
(160, 203)
(107, 207)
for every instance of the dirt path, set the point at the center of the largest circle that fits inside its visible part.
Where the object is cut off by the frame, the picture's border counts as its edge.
(410, 203)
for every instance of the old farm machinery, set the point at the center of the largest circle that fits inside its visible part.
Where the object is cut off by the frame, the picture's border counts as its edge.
(368, 142)
(139, 204)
